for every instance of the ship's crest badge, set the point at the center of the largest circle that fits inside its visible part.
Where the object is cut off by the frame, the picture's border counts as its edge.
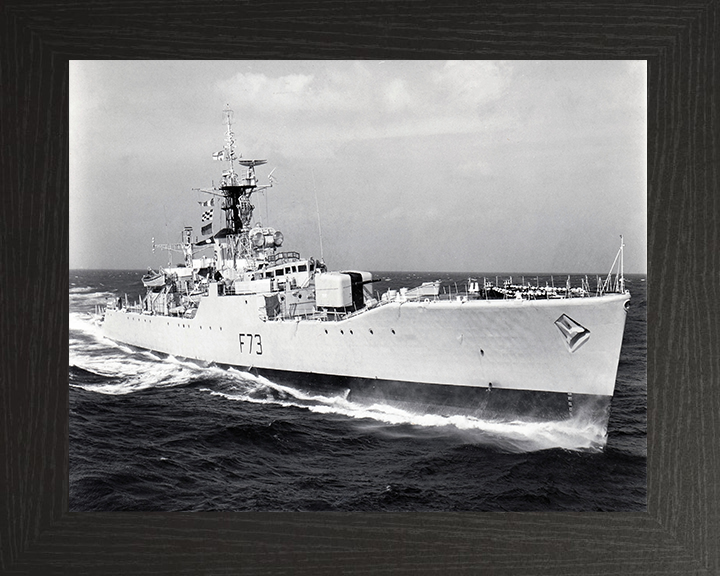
(574, 334)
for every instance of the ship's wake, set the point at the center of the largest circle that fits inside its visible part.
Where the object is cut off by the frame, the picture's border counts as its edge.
(100, 365)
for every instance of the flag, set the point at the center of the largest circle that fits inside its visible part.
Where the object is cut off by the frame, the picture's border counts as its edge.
(207, 216)
(210, 202)
(219, 155)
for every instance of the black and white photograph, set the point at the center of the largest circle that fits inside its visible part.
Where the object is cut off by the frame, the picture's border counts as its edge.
(358, 285)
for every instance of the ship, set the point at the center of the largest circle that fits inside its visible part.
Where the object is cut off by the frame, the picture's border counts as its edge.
(501, 350)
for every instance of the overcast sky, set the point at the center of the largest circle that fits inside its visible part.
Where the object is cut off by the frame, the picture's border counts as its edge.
(465, 166)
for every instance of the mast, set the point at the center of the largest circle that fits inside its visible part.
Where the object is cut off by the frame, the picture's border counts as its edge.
(621, 281)
(230, 143)
(236, 192)
(619, 285)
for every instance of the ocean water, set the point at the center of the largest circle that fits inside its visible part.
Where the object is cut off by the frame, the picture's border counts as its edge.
(163, 433)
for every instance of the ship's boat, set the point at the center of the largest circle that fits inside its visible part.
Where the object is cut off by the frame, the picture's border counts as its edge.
(493, 349)
(153, 279)
(425, 290)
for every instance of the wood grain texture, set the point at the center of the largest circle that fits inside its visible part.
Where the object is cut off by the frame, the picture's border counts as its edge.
(681, 531)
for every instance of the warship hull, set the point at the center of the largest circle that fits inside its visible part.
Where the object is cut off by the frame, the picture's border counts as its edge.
(563, 351)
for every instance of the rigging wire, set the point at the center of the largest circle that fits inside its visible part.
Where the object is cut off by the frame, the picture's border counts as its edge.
(317, 207)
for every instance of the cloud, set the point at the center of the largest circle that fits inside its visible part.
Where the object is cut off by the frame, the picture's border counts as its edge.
(397, 96)
(285, 93)
(472, 83)
(377, 90)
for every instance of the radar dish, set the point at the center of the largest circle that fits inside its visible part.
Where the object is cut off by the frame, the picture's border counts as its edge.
(251, 163)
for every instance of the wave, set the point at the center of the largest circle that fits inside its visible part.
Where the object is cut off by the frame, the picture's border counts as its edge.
(83, 290)
(128, 371)
(86, 302)
(576, 434)
(87, 322)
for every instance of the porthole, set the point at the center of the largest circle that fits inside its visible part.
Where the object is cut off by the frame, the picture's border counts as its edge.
(351, 331)
(341, 332)
(326, 331)
(393, 331)
(482, 352)
(371, 332)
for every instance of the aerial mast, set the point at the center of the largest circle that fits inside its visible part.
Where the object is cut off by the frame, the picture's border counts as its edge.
(229, 149)
(621, 282)
(236, 191)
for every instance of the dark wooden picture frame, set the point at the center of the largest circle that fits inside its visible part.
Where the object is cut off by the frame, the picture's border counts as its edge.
(680, 532)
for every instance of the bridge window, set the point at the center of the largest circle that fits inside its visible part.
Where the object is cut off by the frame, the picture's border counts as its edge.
(302, 268)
